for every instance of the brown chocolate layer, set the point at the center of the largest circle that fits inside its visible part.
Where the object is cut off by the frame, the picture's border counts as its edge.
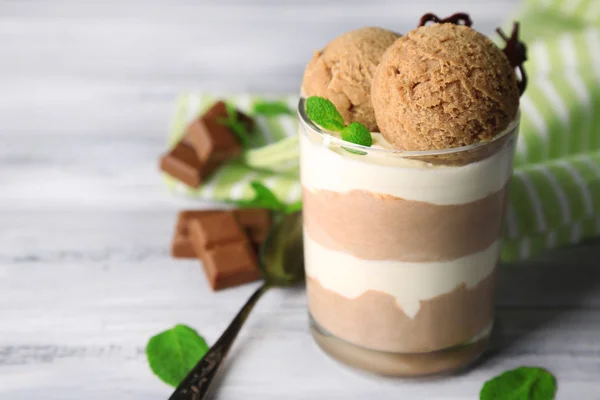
(375, 320)
(383, 227)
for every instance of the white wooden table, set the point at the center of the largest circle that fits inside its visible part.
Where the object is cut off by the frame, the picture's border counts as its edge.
(86, 89)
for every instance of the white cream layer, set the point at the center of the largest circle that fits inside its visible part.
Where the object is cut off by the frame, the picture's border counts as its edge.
(410, 283)
(337, 170)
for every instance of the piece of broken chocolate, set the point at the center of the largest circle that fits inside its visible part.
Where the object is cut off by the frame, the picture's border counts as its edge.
(224, 248)
(230, 265)
(183, 163)
(212, 138)
(181, 246)
(207, 143)
(256, 222)
(211, 230)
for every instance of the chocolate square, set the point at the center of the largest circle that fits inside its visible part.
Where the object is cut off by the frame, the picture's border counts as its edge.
(181, 247)
(211, 138)
(211, 230)
(256, 222)
(219, 109)
(230, 265)
(183, 164)
(184, 217)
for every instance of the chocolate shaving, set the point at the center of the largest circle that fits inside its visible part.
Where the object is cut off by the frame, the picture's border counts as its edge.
(516, 52)
(457, 19)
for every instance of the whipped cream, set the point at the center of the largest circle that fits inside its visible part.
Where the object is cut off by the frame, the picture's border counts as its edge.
(409, 282)
(334, 169)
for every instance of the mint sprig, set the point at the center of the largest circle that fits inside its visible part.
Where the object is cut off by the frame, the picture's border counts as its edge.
(357, 133)
(236, 125)
(265, 198)
(174, 352)
(531, 383)
(271, 108)
(323, 112)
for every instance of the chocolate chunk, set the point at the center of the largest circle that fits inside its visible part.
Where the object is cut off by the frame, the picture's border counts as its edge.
(211, 230)
(256, 222)
(186, 216)
(219, 241)
(207, 143)
(212, 138)
(182, 246)
(183, 164)
(230, 265)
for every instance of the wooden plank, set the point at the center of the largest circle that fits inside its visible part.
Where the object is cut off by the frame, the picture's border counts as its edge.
(116, 265)
(85, 275)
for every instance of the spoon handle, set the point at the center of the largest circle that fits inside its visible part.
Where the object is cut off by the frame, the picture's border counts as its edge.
(196, 384)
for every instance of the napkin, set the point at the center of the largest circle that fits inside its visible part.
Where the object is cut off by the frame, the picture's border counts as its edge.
(555, 191)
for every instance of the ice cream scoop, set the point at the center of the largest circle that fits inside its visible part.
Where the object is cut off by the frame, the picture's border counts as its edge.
(342, 72)
(442, 86)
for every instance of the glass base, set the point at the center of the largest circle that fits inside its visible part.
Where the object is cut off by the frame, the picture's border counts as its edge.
(399, 364)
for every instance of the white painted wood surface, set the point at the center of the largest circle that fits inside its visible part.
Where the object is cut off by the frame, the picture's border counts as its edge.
(86, 89)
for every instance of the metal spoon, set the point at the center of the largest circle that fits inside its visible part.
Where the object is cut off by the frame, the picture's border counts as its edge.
(282, 262)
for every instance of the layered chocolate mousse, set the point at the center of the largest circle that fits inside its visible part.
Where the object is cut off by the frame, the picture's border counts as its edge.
(402, 238)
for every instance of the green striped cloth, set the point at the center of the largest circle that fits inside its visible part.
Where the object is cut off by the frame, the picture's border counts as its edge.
(555, 192)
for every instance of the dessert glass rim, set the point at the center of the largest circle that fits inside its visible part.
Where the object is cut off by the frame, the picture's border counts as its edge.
(403, 153)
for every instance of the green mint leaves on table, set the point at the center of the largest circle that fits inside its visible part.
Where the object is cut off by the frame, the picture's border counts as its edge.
(322, 112)
(271, 108)
(174, 352)
(524, 383)
(265, 198)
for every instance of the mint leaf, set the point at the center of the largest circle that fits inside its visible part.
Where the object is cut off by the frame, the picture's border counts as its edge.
(524, 383)
(294, 207)
(357, 133)
(322, 112)
(238, 128)
(235, 124)
(271, 108)
(231, 111)
(174, 352)
(263, 198)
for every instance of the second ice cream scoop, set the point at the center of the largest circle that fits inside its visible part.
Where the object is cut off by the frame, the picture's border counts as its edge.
(442, 86)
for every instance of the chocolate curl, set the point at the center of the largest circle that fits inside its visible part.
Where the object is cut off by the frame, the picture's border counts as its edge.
(516, 52)
(457, 19)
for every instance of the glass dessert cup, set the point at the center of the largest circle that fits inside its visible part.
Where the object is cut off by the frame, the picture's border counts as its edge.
(401, 249)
